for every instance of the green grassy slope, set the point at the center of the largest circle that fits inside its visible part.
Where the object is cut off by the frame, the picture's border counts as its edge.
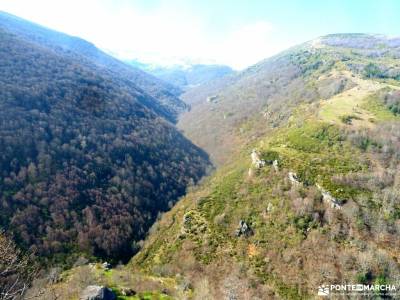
(343, 141)
(298, 240)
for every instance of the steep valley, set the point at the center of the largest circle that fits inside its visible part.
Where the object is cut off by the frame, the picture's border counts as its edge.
(89, 151)
(316, 203)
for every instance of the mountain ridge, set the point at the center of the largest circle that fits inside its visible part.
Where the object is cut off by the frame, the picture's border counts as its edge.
(166, 95)
(261, 85)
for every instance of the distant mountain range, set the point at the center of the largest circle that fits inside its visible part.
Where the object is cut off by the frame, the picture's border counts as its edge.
(185, 76)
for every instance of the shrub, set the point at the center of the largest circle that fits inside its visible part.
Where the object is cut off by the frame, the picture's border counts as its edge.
(373, 71)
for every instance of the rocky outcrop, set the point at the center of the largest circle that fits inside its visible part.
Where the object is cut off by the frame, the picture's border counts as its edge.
(212, 99)
(96, 292)
(275, 165)
(256, 160)
(328, 198)
(294, 179)
(243, 229)
(106, 266)
(128, 292)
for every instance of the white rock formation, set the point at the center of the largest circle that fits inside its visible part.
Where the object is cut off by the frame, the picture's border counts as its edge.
(328, 198)
(243, 229)
(256, 160)
(106, 266)
(96, 292)
(275, 165)
(294, 179)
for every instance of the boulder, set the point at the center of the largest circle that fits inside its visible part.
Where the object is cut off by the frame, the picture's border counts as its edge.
(243, 229)
(328, 198)
(294, 179)
(106, 266)
(275, 165)
(96, 292)
(128, 292)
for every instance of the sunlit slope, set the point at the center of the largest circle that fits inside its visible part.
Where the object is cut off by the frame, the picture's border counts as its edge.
(325, 207)
(300, 238)
(266, 94)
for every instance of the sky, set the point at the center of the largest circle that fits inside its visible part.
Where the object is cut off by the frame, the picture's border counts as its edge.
(237, 33)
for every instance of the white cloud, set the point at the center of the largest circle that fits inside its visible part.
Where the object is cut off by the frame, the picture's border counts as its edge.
(162, 41)
(161, 35)
(246, 45)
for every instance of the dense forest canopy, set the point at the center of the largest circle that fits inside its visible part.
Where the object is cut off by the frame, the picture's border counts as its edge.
(88, 159)
(165, 96)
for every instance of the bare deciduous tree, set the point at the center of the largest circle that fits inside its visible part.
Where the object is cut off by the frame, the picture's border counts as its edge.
(16, 270)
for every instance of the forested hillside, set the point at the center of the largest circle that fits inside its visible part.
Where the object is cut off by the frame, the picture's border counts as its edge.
(165, 96)
(88, 157)
(308, 193)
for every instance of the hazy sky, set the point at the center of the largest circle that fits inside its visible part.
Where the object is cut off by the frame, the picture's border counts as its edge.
(233, 32)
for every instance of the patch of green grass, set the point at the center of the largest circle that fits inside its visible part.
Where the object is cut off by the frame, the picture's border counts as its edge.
(316, 152)
(303, 223)
(285, 290)
(224, 190)
(143, 296)
(312, 137)
(363, 277)
(333, 109)
(269, 156)
(348, 119)
(108, 274)
(375, 106)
